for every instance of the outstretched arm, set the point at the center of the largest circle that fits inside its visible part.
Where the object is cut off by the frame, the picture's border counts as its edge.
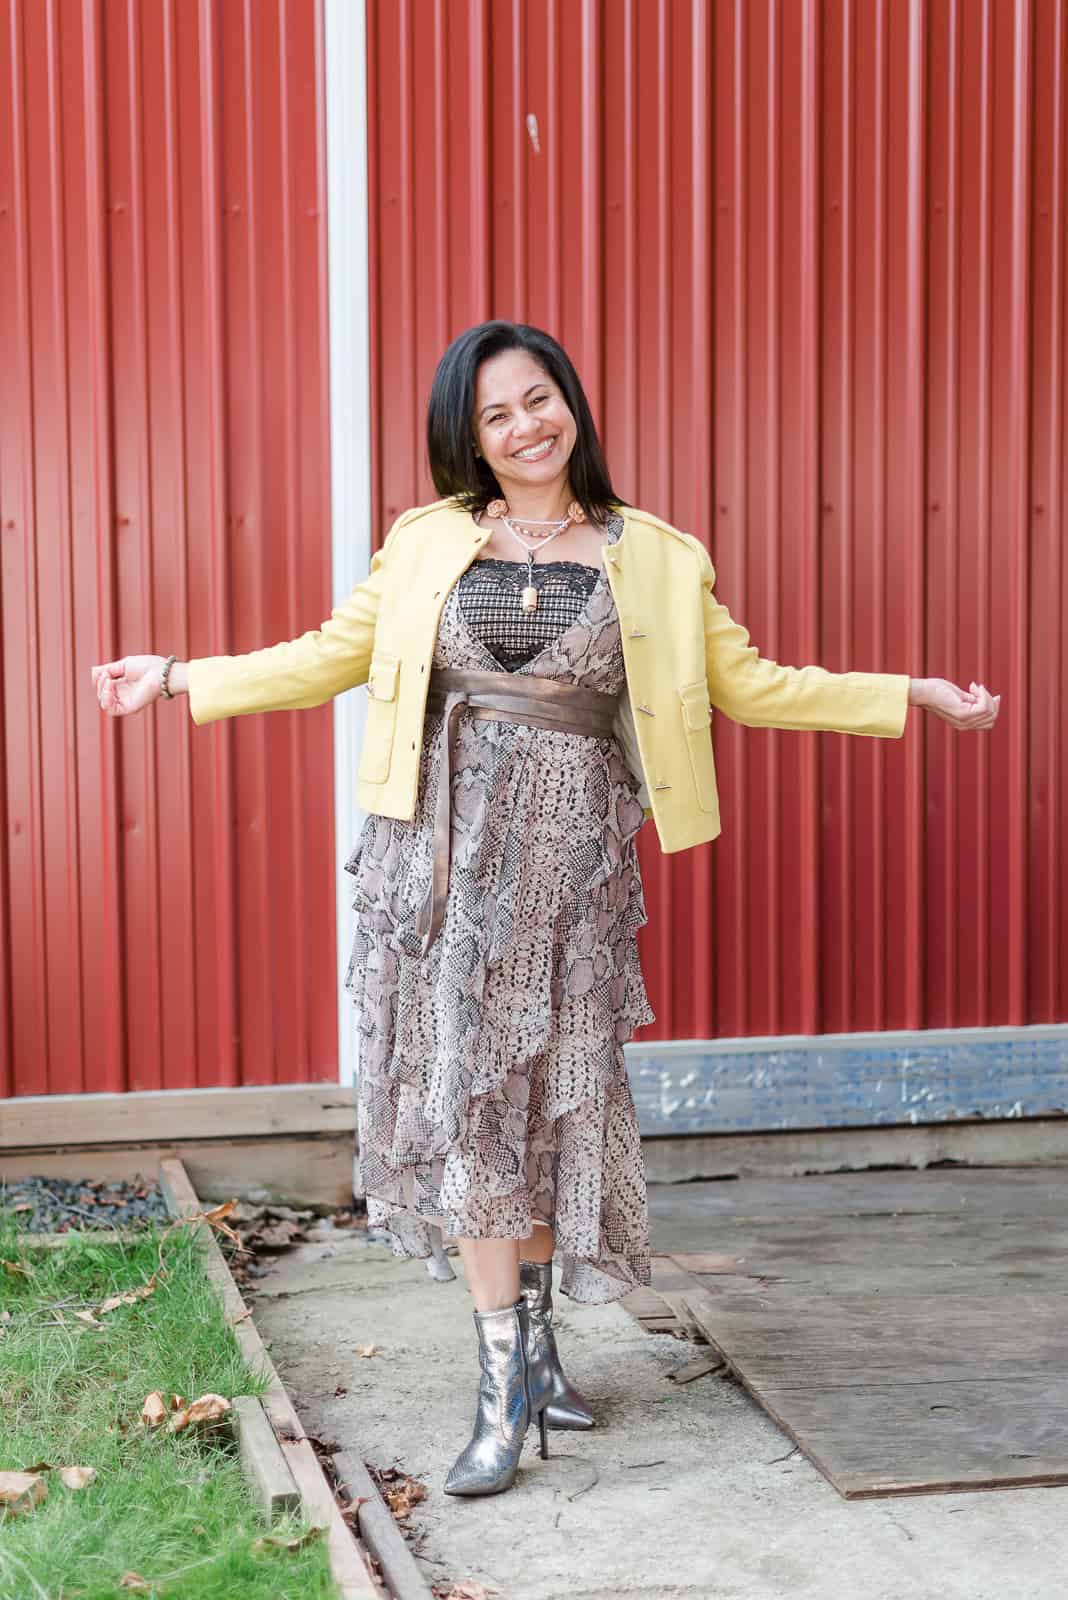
(282, 677)
(761, 693)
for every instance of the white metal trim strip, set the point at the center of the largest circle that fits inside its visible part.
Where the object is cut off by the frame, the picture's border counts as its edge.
(348, 241)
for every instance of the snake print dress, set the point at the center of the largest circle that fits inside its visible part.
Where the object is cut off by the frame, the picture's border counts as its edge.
(492, 1088)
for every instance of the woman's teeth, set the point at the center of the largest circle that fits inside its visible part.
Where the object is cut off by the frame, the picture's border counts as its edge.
(535, 451)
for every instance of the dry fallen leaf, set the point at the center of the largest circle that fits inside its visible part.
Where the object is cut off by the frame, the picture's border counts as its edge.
(153, 1411)
(134, 1580)
(215, 1218)
(77, 1477)
(130, 1297)
(366, 1350)
(21, 1491)
(241, 1315)
(401, 1497)
(178, 1401)
(209, 1408)
(87, 1317)
(274, 1541)
(17, 1267)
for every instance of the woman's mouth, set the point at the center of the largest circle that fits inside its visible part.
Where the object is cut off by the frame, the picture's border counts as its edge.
(535, 452)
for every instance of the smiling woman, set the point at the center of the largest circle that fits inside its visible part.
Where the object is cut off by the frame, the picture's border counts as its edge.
(512, 752)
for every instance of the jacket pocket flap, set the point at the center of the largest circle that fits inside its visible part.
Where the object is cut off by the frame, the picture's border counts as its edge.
(696, 711)
(382, 678)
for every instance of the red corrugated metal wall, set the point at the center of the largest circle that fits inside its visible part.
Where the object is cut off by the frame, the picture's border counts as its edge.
(166, 901)
(810, 261)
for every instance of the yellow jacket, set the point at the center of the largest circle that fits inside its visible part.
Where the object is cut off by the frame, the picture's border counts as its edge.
(683, 654)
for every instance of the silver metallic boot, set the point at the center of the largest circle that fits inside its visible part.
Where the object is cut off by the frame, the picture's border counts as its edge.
(566, 1407)
(506, 1403)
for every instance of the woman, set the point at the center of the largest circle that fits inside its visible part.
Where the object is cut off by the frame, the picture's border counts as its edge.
(526, 712)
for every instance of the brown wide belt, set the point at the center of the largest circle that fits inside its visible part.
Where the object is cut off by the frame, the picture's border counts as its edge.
(500, 697)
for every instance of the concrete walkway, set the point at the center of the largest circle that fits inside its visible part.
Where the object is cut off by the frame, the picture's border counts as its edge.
(682, 1490)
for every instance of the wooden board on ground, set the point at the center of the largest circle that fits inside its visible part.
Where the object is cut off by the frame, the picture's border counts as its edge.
(905, 1350)
(304, 1170)
(663, 1309)
(352, 1576)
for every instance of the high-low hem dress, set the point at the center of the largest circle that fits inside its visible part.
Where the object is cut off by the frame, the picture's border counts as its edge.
(492, 1091)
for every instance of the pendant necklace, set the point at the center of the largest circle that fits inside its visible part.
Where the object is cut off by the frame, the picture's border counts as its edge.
(528, 600)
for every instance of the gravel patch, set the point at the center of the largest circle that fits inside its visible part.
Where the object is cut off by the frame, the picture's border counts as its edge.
(65, 1205)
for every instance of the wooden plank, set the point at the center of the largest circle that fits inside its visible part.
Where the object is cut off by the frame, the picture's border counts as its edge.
(907, 1403)
(265, 1465)
(169, 1114)
(1030, 1142)
(976, 1191)
(673, 1283)
(908, 1331)
(709, 1361)
(305, 1170)
(643, 1303)
(908, 1254)
(933, 1438)
(378, 1529)
(786, 1338)
(346, 1564)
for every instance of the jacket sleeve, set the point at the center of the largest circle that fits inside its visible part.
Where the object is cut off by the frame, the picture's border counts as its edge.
(297, 673)
(761, 693)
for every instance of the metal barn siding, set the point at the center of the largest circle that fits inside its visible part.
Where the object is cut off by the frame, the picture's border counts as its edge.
(166, 900)
(810, 261)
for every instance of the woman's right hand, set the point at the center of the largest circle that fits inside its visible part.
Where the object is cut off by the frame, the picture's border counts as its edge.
(129, 684)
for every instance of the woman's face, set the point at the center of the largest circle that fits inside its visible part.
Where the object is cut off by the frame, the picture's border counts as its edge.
(522, 423)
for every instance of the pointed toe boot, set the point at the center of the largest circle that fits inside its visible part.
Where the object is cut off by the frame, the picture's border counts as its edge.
(506, 1403)
(565, 1407)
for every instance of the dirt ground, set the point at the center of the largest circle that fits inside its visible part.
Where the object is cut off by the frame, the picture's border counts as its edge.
(681, 1490)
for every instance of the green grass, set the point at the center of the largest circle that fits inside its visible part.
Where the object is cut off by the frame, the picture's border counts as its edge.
(172, 1507)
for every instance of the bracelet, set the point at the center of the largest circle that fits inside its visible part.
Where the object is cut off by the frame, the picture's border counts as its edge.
(165, 674)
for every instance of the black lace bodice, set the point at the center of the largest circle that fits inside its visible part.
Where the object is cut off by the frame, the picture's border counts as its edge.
(489, 596)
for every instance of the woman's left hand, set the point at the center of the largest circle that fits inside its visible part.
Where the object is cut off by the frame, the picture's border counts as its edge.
(974, 707)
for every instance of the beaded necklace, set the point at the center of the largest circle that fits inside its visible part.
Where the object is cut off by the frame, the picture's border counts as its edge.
(528, 600)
